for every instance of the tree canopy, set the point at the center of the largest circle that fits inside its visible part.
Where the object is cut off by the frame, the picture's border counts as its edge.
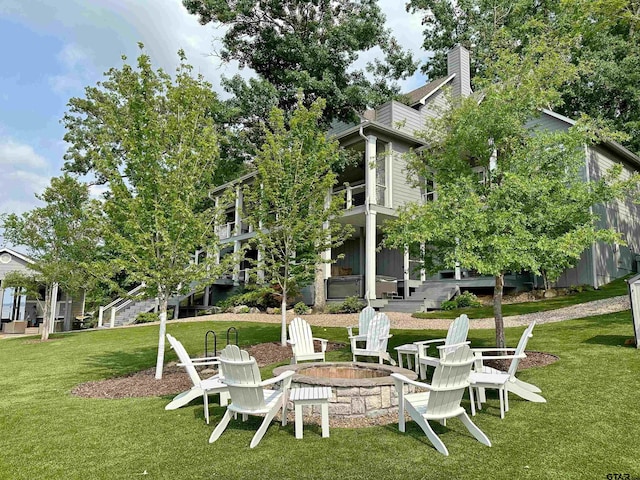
(602, 36)
(289, 205)
(61, 238)
(510, 195)
(154, 141)
(311, 46)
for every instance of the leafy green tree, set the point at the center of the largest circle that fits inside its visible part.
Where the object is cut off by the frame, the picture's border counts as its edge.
(311, 46)
(510, 197)
(61, 237)
(289, 204)
(155, 143)
(602, 34)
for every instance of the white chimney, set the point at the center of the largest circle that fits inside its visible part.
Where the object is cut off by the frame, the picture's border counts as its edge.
(458, 63)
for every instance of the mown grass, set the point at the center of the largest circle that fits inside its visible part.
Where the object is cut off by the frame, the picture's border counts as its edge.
(614, 289)
(586, 429)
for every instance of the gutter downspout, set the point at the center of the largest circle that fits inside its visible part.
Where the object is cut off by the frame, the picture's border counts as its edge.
(366, 203)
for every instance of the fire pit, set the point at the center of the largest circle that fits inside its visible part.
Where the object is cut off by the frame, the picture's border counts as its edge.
(359, 390)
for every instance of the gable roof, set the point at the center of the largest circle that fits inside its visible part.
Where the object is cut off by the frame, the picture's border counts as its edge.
(421, 94)
(615, 146)
(16, 254)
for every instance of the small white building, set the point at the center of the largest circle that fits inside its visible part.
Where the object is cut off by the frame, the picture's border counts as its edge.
(19, 312)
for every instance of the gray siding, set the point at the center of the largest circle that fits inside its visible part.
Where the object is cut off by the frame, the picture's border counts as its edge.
(403, 191)
(581, 274)
(16, 264)
(400, 117)
(389, 262)
(351, 251)
(435, 105)
(614, 261)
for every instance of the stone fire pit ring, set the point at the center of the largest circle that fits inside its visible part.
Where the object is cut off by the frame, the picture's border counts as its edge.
(359, 390)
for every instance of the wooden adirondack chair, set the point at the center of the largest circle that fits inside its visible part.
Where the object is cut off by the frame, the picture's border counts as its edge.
(376, 340)
(200, 387)
(301, 341)
(442, 399)
(248, 395)
(456, 334)
(487, 377)
(364, 319)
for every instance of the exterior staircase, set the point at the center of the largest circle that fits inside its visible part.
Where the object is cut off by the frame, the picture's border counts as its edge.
(428, 296)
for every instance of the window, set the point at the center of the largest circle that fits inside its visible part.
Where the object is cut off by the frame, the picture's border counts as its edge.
(481, 174)
(429, 190)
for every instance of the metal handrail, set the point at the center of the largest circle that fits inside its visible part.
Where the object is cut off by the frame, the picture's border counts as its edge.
(117, 301)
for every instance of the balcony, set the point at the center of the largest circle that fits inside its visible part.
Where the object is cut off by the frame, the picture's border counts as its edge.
(354, 196)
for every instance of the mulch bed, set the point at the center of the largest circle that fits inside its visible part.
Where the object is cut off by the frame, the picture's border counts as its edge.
(175, 379)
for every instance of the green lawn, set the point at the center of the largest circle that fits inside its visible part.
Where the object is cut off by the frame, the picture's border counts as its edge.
(586, 429)
(614, 289)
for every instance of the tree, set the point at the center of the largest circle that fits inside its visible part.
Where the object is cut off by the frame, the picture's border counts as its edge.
(603, 37)
(510, 197)
(154, 141)
(289, 204)
(311, 46)
(60, 237)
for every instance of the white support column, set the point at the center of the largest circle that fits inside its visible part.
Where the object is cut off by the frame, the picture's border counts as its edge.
(405, 271)
(236, 269)
(388, 170)
(326, 255)
(54, 304)
(260, 271)
(370, 256)
(362, 251)
(1, 298)
(423, 272)
(238, 212)
(370, 218)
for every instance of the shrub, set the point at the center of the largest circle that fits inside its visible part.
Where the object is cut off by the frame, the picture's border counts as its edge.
(467, 299)
(449, 305)
(300, 308)
(333, 308)
(580, 288)
(352, 305)
(146, 317)
(244, 309)
(277, 311)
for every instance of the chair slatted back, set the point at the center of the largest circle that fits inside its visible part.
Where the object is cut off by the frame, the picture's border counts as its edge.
(450, 380)
(184, 358)
(366, 315)
(242, 376)
(522, 344)
(300, 333)
(378, 332)
(457, 333)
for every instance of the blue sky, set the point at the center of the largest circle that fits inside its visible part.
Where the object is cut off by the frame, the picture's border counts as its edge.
(51, 49)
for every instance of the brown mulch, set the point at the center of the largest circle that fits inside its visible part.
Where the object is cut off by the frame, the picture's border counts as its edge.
(533, 359)
(175, 379)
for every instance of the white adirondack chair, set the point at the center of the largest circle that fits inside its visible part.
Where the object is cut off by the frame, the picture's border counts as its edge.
(489, 377)
(376, 340)
(200, 387)
(364, 319)
(441, 401)
(301, 341)
(456, 334)
(248, 395)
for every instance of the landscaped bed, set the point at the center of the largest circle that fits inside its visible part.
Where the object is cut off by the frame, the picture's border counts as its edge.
(583, 431)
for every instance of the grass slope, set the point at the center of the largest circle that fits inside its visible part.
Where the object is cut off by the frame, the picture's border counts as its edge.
(614, 289)
(584, 431)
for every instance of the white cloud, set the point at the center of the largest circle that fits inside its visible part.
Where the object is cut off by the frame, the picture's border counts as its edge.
(17, 155)
(23, 174)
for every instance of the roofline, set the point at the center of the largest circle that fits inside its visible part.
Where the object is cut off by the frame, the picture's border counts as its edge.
(443, 82)
(17, 254)
(241, 179)
(381, 127)
(615, 146)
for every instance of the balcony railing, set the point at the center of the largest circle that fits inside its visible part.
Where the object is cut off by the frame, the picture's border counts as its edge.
(228, 230)
(354, 196)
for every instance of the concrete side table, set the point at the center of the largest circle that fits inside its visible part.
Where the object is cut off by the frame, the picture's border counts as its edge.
(311, 396)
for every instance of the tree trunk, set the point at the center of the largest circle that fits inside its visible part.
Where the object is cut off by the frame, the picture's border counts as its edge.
(497, 310)
(319, 301)
(161, 338)
(46, 315)
(283, 311)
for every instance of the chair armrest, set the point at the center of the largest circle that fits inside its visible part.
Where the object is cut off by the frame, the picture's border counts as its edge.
(474, 350)
(199, 364)
(279, 378)
(323, 343)
(425, 342)
(500, 357)
(206, 359)
(350, 330)
(291, 342)
(404, 379)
